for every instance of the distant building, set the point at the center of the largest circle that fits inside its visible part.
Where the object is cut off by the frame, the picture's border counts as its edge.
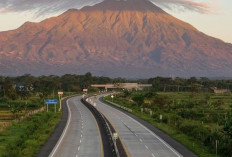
(219, 91)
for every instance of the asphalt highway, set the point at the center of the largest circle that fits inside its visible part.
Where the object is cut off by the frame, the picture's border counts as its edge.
(138, 139)
(81, 136)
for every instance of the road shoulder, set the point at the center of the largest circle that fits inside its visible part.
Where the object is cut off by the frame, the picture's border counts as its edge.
(47, 148)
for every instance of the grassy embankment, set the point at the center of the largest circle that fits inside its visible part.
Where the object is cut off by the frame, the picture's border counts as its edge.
(181, 114)
(25, 137)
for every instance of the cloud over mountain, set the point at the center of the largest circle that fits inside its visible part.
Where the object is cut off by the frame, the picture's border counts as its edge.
(50, 6)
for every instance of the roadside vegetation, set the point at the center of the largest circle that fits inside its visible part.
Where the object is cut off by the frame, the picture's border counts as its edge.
(189, 112)
(25, 125)
(26, 138)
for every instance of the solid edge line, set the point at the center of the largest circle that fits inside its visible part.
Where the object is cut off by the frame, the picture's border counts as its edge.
(99, 133)
(63, 133)
(161, 140)
(123, 144)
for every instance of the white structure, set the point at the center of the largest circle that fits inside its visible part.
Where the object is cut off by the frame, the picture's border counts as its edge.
(122, 85)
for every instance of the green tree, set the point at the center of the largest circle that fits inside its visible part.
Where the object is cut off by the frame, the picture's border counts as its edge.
(139, 99)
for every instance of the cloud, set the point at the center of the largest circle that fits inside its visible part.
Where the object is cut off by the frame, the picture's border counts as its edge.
(186, 5)
(43, 7)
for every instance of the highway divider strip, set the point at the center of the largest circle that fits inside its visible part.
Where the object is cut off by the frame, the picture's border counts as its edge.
(110, 147)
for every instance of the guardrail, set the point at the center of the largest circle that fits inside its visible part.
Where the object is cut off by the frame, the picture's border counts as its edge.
(111, 148)
(119, 106)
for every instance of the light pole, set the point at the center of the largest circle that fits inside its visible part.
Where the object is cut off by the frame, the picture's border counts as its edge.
(112, 97)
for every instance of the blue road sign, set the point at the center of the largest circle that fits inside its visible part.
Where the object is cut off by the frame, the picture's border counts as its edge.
(21, 86)
(51, 101)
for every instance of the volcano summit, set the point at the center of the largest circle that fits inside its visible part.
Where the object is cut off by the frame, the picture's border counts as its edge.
(130, 38)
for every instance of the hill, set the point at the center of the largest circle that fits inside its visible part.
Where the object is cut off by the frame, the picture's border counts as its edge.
(132, 38)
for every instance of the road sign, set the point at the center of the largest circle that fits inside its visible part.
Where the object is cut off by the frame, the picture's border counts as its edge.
(51, 101)
(112, 96)
(21, 86)
(85, 90)
(60, 93)
(115, 136)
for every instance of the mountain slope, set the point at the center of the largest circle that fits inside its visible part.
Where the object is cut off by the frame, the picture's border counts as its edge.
(132, 38)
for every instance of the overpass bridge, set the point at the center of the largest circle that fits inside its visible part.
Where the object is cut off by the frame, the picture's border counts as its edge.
(122, 86)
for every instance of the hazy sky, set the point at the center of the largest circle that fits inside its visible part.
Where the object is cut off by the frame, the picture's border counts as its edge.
(213, 17)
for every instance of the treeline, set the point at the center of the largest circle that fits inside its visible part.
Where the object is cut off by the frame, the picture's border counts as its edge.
(192, 84)
(22, 87)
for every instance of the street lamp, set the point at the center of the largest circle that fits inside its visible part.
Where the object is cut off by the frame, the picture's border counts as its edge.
(112, 97)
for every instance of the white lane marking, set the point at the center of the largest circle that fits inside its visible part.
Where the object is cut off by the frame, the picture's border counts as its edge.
(80, 141)
(139, 139)
(78, 148)
(153, 155)
(161, 140)
(63, 133)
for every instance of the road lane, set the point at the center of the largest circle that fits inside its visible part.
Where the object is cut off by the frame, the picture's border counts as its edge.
(81, 137)
(139, 140)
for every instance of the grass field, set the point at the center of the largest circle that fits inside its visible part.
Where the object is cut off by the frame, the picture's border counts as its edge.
(25, 126)
(14, 109)
(25, 138)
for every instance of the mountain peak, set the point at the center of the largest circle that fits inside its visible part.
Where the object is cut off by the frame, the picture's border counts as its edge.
(132, 38)
(120, 5)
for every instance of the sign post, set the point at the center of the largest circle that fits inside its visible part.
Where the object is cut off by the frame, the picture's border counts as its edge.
(85, 90)
(60, 97)
(115, 137)
(51, 101)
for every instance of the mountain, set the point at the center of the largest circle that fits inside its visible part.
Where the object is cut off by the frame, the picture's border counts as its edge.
(127, 38)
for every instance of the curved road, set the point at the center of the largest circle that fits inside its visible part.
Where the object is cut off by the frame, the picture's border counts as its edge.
(139, 140)
(81, 136)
